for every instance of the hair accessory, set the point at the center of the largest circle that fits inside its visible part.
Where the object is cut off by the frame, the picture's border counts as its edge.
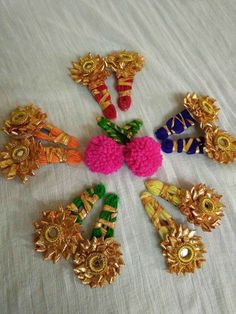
(217, 144)
(201, 204)
(182, 249)
(189, 145)
(98, 261)
(21, 157)
(91, 71)
(199, 109)
(59, 231)
(125, 64)
(30, 120)
(142, 155)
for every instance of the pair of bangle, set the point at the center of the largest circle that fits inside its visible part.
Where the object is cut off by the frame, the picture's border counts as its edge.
(201, 205)
(216, 143)
(97, 261)
(93, 70)
(24, 153)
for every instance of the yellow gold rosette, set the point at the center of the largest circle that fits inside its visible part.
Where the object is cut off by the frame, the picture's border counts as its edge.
(24, 121)
(220, 145)
(98, 261)
(125, 63)
(57, 234)
(20, 158)
(202, 108)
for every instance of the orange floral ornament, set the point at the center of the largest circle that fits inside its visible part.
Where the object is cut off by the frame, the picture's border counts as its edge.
(220, 145)
(202, 108)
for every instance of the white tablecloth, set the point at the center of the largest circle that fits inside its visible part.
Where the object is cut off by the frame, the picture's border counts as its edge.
(188, 46)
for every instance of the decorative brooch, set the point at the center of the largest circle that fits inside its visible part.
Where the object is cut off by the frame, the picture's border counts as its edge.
(30, 121)
(182, 249)
(201, 205)
(93, 70)
(97, 261)
(142, 154)
(216, 143)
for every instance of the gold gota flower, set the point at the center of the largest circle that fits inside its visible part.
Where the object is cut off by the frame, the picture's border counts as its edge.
(183, 250)
(57, 234)
(20, 158)
(201, 205)
(202, 108)
(24, 121)
(220, 145)
(125, 63)
(98, 261)
(89, 69)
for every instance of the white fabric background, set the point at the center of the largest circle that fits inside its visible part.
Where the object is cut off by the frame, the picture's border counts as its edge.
(188, 46)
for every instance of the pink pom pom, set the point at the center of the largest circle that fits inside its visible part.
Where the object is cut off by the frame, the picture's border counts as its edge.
(103, 155)
(143, 156)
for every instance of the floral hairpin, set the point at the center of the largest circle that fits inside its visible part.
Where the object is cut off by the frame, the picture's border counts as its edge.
(125, 64)
(106, 154)
(201, 204)
(59, 232)
(182, 249)
(30, 120)
(216, 143)
(91, 71)
(19, 158)
(200, 110)
(97, 261)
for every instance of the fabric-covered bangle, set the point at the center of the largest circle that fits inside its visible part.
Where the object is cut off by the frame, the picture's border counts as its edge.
(182, 249)
(201, 205)
(29, 120)
(97, 261)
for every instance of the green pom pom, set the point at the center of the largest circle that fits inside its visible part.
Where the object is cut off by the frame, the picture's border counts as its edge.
(100, 190)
